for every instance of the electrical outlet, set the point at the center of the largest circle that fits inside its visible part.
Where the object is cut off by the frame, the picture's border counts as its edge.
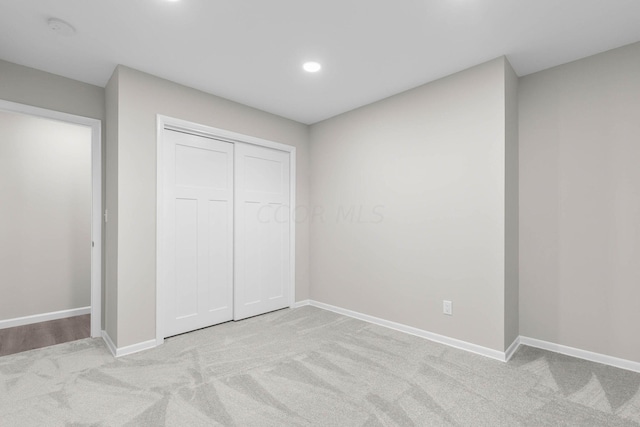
(447, 307)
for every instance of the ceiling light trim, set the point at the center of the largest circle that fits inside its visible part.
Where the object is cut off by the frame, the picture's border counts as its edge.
(312, 66)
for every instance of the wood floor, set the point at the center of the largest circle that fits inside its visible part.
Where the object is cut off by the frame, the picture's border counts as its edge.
(37, 335)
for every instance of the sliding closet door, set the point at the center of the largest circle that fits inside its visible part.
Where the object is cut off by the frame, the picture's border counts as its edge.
(262, 230)
(198, 218)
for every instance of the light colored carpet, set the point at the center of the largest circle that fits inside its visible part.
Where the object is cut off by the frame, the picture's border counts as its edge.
(308, 367)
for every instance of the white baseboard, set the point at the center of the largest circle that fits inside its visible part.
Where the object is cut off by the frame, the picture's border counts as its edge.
(442, 339)
(130, 349)
(110, 345)
(582, 354)
(474, 348)
(508, 354)
(452, 342)
(135, 348)
(302, 303)
(37, 318)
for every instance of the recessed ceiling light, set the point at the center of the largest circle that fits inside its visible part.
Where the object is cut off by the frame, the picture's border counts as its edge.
(60, 27)
(312, 67)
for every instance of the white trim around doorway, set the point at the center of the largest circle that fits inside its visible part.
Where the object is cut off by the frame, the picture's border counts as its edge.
(96, 196)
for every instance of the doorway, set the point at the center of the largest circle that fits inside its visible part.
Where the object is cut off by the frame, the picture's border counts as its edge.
(50, 227)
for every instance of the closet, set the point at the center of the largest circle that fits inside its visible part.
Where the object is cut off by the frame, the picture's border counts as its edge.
(225, 215)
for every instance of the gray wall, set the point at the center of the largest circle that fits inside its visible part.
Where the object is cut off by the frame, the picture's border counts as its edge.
(409, 196)
(41, 89)
(580, 204)
(45, 219)
(140, 98)
(511, 288)
(111, 197)
(38, 88)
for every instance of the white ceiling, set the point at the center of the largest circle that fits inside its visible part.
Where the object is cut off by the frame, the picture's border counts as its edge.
(251, 51)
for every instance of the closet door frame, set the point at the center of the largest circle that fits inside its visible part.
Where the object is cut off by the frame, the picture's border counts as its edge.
(171, 123)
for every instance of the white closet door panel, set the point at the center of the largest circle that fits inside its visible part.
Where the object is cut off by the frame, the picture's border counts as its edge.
(251, 292)
(275, 266)
(262, 252)
(220, 256)
(199, 167)
(198, 211)
(185, 296)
